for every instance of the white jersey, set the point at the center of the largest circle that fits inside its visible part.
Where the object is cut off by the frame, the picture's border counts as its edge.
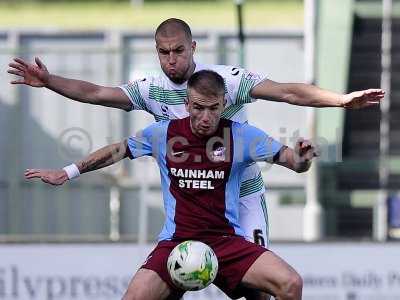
(165, 100)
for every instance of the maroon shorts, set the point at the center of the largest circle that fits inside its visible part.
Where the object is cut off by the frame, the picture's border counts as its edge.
(235, 256)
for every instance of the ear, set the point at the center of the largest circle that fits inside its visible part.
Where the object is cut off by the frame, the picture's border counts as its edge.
(187, 104)
(194, 46)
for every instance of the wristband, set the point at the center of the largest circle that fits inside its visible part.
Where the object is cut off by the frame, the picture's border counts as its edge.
(72, 171)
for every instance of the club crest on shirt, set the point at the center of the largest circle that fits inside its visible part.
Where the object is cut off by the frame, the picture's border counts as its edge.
(218, 154)
(252, 76)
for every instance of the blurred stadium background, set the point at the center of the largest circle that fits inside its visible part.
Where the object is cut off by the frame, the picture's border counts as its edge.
(337, 225)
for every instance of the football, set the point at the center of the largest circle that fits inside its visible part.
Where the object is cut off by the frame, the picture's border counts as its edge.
(192, 265)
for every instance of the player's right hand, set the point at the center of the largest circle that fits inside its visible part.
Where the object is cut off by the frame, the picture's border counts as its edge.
(30, 74)
(53, 177)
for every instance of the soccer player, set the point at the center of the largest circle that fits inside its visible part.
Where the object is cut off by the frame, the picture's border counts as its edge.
(201, 159)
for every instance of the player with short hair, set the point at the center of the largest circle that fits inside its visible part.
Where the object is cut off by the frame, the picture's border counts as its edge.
(201, 159)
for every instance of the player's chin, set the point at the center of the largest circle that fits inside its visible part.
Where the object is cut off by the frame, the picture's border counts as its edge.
(206, 132)
(176, 77)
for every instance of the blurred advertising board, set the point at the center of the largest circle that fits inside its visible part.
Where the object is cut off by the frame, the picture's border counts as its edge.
(394, 217)
(331, 271)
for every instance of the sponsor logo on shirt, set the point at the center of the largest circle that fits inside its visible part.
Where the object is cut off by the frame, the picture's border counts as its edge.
(235, 71)
(218, 154)
(164, 110)
(196, 179)
(177, 153)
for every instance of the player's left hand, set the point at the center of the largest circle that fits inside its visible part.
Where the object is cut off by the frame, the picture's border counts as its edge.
(305, 150)
(53, 177)
(361, 99)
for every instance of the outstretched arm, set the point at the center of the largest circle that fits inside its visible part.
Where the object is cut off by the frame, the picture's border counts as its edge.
(100, 159)
(310, 95)
(37, 75)
(297, 159)
(104, 157)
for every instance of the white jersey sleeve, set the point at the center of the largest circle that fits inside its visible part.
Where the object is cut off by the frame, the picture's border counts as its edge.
(238, 83)
(138, 93)
(148, 94)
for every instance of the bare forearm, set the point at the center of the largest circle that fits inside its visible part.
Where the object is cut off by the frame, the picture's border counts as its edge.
(297, 94)
(310, 95)
(103, 157)
(78, 90)
(87, 92)
(37, 75)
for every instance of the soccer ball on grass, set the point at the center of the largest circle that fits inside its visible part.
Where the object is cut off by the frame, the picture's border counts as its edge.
(192, 265)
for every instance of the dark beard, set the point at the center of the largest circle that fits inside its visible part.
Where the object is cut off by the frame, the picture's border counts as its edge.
(178, 80)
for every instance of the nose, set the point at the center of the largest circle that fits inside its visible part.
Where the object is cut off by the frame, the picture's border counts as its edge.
(205, 118)
(172, 58)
